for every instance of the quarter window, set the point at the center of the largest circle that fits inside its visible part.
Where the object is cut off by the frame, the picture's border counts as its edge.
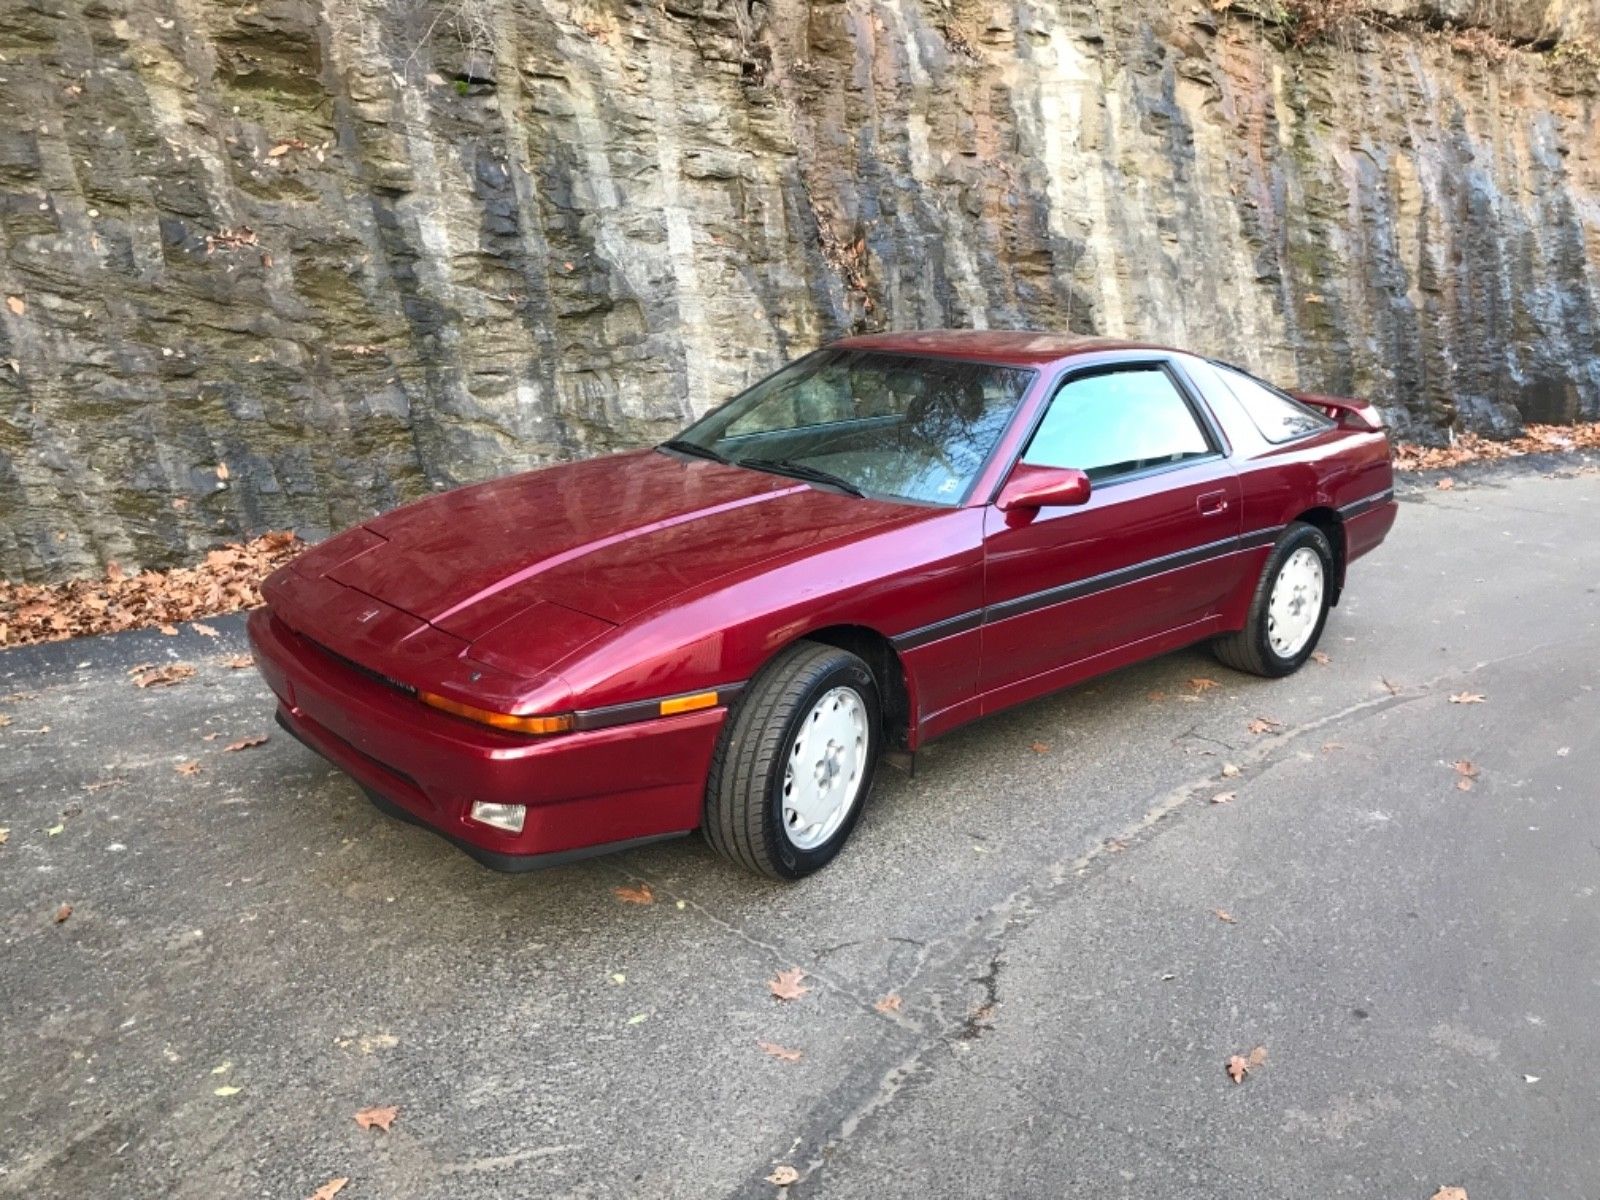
(1116, 423)
(1279, 417)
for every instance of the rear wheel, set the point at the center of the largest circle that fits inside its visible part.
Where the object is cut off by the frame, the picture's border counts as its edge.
(795, 762)
(1289, 608)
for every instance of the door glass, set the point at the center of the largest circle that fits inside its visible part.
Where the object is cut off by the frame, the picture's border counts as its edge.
(1116, 423)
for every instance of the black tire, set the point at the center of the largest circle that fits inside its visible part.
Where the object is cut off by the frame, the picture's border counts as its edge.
(1250, 649)
(743, 819)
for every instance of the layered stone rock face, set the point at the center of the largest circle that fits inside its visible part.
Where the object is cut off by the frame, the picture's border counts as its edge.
(282, 263)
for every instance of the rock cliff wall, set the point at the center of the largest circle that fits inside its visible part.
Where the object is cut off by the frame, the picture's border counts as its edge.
(283, 263)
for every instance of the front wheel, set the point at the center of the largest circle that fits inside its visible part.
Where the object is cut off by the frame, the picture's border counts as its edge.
(795, 762)
(1289, 608)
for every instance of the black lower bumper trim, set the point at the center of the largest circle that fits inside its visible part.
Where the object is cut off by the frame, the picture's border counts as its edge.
(510, 863)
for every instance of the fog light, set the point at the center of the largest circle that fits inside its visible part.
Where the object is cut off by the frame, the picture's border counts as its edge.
(502, 816)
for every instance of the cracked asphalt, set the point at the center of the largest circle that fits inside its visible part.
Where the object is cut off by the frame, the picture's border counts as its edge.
(253, 953)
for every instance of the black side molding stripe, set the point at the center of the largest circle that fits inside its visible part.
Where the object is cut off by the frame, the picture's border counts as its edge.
(1261, 537)
(948, 627)
(1110, 579)
(1100, 583)
(965, 622)
(1356, 507)
(646, 710)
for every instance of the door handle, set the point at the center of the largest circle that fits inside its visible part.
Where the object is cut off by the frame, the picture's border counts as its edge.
(1212, 503)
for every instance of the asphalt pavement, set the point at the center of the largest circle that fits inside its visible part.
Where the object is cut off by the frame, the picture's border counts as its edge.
(1026, 974)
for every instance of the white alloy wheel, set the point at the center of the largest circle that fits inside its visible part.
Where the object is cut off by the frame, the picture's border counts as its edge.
(1296, 604)
(827, 764)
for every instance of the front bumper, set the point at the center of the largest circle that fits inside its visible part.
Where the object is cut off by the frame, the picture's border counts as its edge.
(586, 792)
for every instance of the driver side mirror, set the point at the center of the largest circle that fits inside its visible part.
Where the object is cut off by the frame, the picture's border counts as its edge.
(1031, 488)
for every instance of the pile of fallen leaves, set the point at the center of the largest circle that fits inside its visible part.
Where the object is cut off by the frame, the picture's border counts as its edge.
(229, 579)
(1473, 447)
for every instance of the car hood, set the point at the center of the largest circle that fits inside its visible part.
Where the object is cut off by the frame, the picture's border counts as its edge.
(609, 538)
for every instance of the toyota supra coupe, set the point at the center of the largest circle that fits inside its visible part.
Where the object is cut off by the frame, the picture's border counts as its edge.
(886, 539)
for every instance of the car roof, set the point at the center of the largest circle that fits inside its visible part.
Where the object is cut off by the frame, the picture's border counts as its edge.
(1021, 348)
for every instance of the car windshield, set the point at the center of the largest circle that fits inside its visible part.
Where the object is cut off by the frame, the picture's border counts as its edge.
(875, 424)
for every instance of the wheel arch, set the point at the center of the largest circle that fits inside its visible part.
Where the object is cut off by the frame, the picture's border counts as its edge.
(878, 652)
(1332, 527)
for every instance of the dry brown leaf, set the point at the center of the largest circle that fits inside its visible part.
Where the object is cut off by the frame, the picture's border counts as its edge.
(1264, 725)
(1223, 914)
(1230, 771)
(188, 768)
(63, 913)
(1157, 697)
(1239, 1066)
(1467, 768)
(1467, 698)
(5, 836)
(1203, 685)
(1040, 747)
(786, 985)
(330, 1189)
(246, 742)
(1330, 747)
(889, 1004)
(782, 1052)
(1320, 657)
(1446, 484)
(163, 676)
(239, 662)
(1224, 797)
(380, 1118)
(783, 1175)
(169, 630)
(17, 304)
(222, 470)
(203, 630)
(635, 895)
(1463, 785)
(1450, 1193)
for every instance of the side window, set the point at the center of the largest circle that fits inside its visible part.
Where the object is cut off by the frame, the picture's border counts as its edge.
(1280, 418)
(1117, 422)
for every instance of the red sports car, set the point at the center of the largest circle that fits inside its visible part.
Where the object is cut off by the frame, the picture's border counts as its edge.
(887, 538)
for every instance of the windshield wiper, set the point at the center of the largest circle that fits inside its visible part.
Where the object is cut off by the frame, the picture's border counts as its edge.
(693, 449)
(800, 470)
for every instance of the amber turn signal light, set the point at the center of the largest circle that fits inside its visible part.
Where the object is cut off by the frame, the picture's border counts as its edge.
(683, 704)
(506, 721)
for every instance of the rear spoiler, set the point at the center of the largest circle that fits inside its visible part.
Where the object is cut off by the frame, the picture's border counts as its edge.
(1355, 415)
